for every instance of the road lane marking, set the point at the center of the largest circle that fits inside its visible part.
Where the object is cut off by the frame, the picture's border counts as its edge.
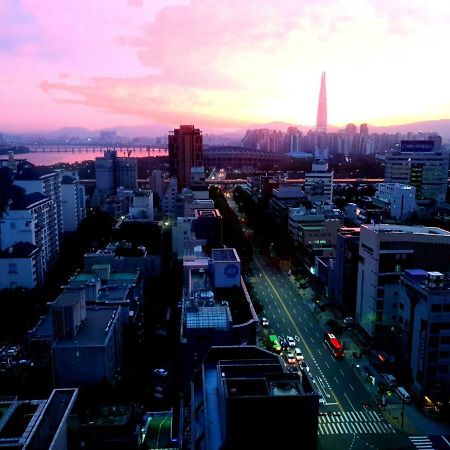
(343, 374)
(351, 404)
(327, 364)
(351, 387)
(295, 327)
(337, 381)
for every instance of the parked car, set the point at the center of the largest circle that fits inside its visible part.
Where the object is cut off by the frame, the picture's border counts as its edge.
(389, 379)
(264, 322)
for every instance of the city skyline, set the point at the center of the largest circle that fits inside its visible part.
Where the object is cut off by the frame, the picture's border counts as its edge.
(95, 65)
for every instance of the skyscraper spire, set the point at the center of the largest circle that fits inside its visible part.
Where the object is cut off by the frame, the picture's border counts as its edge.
(321, 125)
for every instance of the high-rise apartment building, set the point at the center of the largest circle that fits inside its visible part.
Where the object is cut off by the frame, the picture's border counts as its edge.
(112, 172)
(126, 173)
(185, 152)
(385, 252)
(32, 218)
(48, 184)
(322, 121)
(104, 172)
(73, 202)
(420, 164)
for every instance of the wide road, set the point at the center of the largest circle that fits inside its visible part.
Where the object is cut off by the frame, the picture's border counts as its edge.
(351, 425)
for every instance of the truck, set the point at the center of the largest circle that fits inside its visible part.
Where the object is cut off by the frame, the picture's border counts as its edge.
(273, 343)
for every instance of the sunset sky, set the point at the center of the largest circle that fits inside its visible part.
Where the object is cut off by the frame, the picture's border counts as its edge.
(221, 63)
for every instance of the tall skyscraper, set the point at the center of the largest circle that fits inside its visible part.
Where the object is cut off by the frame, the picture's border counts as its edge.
(185, 152)
(321, 125)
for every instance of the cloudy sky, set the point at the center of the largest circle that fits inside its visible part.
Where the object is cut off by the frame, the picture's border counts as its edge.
(221, 63)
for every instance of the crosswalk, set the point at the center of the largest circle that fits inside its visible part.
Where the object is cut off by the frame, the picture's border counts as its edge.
(430, 442)
(361, 422)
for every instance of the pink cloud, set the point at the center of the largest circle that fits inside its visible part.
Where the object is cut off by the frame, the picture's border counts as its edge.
(219, 62)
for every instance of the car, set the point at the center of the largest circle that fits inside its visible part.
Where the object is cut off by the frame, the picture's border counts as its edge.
(298, 354)
(284, 344)
(389, 379)
(161, 372)
(290, 358)
(304, 366)
(321, 399)
(264, 322)
(291, 341)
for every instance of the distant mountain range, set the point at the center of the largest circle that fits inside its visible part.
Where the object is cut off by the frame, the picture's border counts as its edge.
(441, 127)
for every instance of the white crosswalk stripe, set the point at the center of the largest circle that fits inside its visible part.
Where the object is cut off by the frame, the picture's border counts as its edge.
(421, 442)
(354, 422)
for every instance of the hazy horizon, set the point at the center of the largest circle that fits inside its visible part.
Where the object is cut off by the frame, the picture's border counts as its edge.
(226, 65)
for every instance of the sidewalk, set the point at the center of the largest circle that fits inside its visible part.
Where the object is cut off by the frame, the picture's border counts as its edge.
(414, 422)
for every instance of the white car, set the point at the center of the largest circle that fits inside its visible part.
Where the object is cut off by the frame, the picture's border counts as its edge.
(264, 322)
(291, 341)
(161, 373)
(298, 354)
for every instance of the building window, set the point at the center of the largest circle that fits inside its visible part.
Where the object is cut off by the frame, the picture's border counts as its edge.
(12, 268)
(436, 308)
(12, 225)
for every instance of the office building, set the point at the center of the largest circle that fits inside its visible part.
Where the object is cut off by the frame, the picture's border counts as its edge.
(185, 152)
(87, 341)
(322, 120)
(236, 395)
(423, 324)
(319, 182)
(73, 197)
(217, 309)
(37, 424)
(141, 208)
(345, 269)
(419, 164)
(400, 199)
(385, 252)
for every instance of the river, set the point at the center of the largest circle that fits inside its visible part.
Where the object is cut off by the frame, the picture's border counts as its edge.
(47, 158)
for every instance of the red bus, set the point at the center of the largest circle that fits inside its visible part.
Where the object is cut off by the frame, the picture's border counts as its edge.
(335, 345)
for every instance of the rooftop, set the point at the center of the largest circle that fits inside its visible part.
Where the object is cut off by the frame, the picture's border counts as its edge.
(27, 200)
(95, 329)
(224, 254)
(418, 229)
(19, 250)
(198, 212)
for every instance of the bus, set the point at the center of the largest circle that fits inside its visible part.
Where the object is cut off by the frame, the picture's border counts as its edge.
(274, 343)
(335, 345)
